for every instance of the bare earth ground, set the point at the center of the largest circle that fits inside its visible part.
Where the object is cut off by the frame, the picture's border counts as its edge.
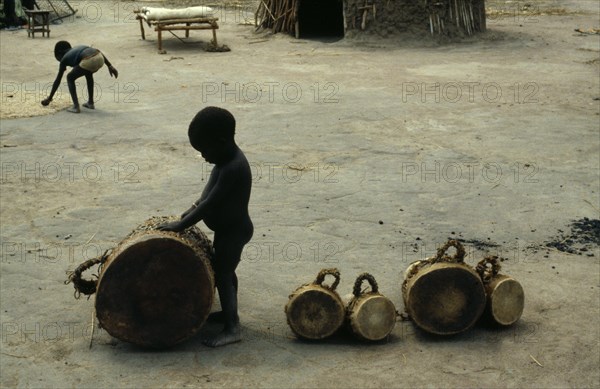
(368, 154)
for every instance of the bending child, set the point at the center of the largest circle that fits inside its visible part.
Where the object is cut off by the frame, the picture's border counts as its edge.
(85, 61)
(223, 206)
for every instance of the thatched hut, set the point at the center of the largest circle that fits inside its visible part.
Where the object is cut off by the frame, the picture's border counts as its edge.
(306, 18)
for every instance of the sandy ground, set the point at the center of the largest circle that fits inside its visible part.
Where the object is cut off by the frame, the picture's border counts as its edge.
(367, 153)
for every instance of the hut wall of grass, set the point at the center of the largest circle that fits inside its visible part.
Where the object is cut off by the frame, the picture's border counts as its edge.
(386, 17)
(304, 18)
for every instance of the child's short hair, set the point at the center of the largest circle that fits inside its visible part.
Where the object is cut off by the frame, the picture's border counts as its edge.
(60, 49)
(212, 123)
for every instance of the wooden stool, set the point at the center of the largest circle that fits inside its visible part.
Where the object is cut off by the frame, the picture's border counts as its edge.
(33, 26)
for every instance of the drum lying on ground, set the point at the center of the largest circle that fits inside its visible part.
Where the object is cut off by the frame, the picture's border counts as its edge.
(443, 295)
(156, 288)
(505, 295)
(371, 315)
(316, 311)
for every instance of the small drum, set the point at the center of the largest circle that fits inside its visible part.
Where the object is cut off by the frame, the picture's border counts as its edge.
(505, 295)
(155, 288)
(442, 294)
(370, 315)
(316, 311)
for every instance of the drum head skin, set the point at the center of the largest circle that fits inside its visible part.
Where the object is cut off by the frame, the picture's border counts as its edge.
(374, 318)
(446, 300)
(507, 301)
(315, 313)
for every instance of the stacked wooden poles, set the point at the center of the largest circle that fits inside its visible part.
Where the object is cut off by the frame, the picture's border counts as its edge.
(277, 15)
(467, 16)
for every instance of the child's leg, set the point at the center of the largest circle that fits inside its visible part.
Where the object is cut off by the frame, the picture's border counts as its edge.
(89, 77)
(228, 250)
(219, 316)
(71, 77)
(228, 296)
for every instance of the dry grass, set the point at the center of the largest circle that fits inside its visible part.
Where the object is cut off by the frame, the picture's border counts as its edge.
(19, 105)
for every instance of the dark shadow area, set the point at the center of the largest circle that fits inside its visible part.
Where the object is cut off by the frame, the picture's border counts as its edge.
(321, 19)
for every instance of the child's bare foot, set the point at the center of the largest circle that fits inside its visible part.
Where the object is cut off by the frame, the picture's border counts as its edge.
(74, 109)
(89, 105)
(225, 337)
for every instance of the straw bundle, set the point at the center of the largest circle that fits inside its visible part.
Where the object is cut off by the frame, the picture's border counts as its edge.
(277, 15)
(467, 16)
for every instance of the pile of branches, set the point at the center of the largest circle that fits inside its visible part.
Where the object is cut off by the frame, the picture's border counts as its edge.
(467, 16)
(277, 15)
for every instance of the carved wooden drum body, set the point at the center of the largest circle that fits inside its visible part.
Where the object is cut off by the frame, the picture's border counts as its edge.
(156, 288)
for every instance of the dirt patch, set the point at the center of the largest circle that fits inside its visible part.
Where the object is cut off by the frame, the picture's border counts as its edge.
(478, 244)
(527, 10)
(583, 237)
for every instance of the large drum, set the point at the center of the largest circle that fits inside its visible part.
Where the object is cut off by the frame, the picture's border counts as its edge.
(155, 288)
(316, 311)
(370, 315)
(505, 295)
(442, 294)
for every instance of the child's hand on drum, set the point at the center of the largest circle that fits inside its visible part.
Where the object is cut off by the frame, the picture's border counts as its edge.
(173, 226)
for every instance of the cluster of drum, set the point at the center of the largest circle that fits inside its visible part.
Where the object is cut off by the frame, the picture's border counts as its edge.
(316, 311)
(442, 295)
(155, 289)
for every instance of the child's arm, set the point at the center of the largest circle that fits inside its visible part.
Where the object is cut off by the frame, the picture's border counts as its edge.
(209, 186)
(61, 71)
(111, 69)
(217, 190)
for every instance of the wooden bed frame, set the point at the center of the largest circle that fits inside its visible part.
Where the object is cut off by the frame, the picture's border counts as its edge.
(178, 24)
